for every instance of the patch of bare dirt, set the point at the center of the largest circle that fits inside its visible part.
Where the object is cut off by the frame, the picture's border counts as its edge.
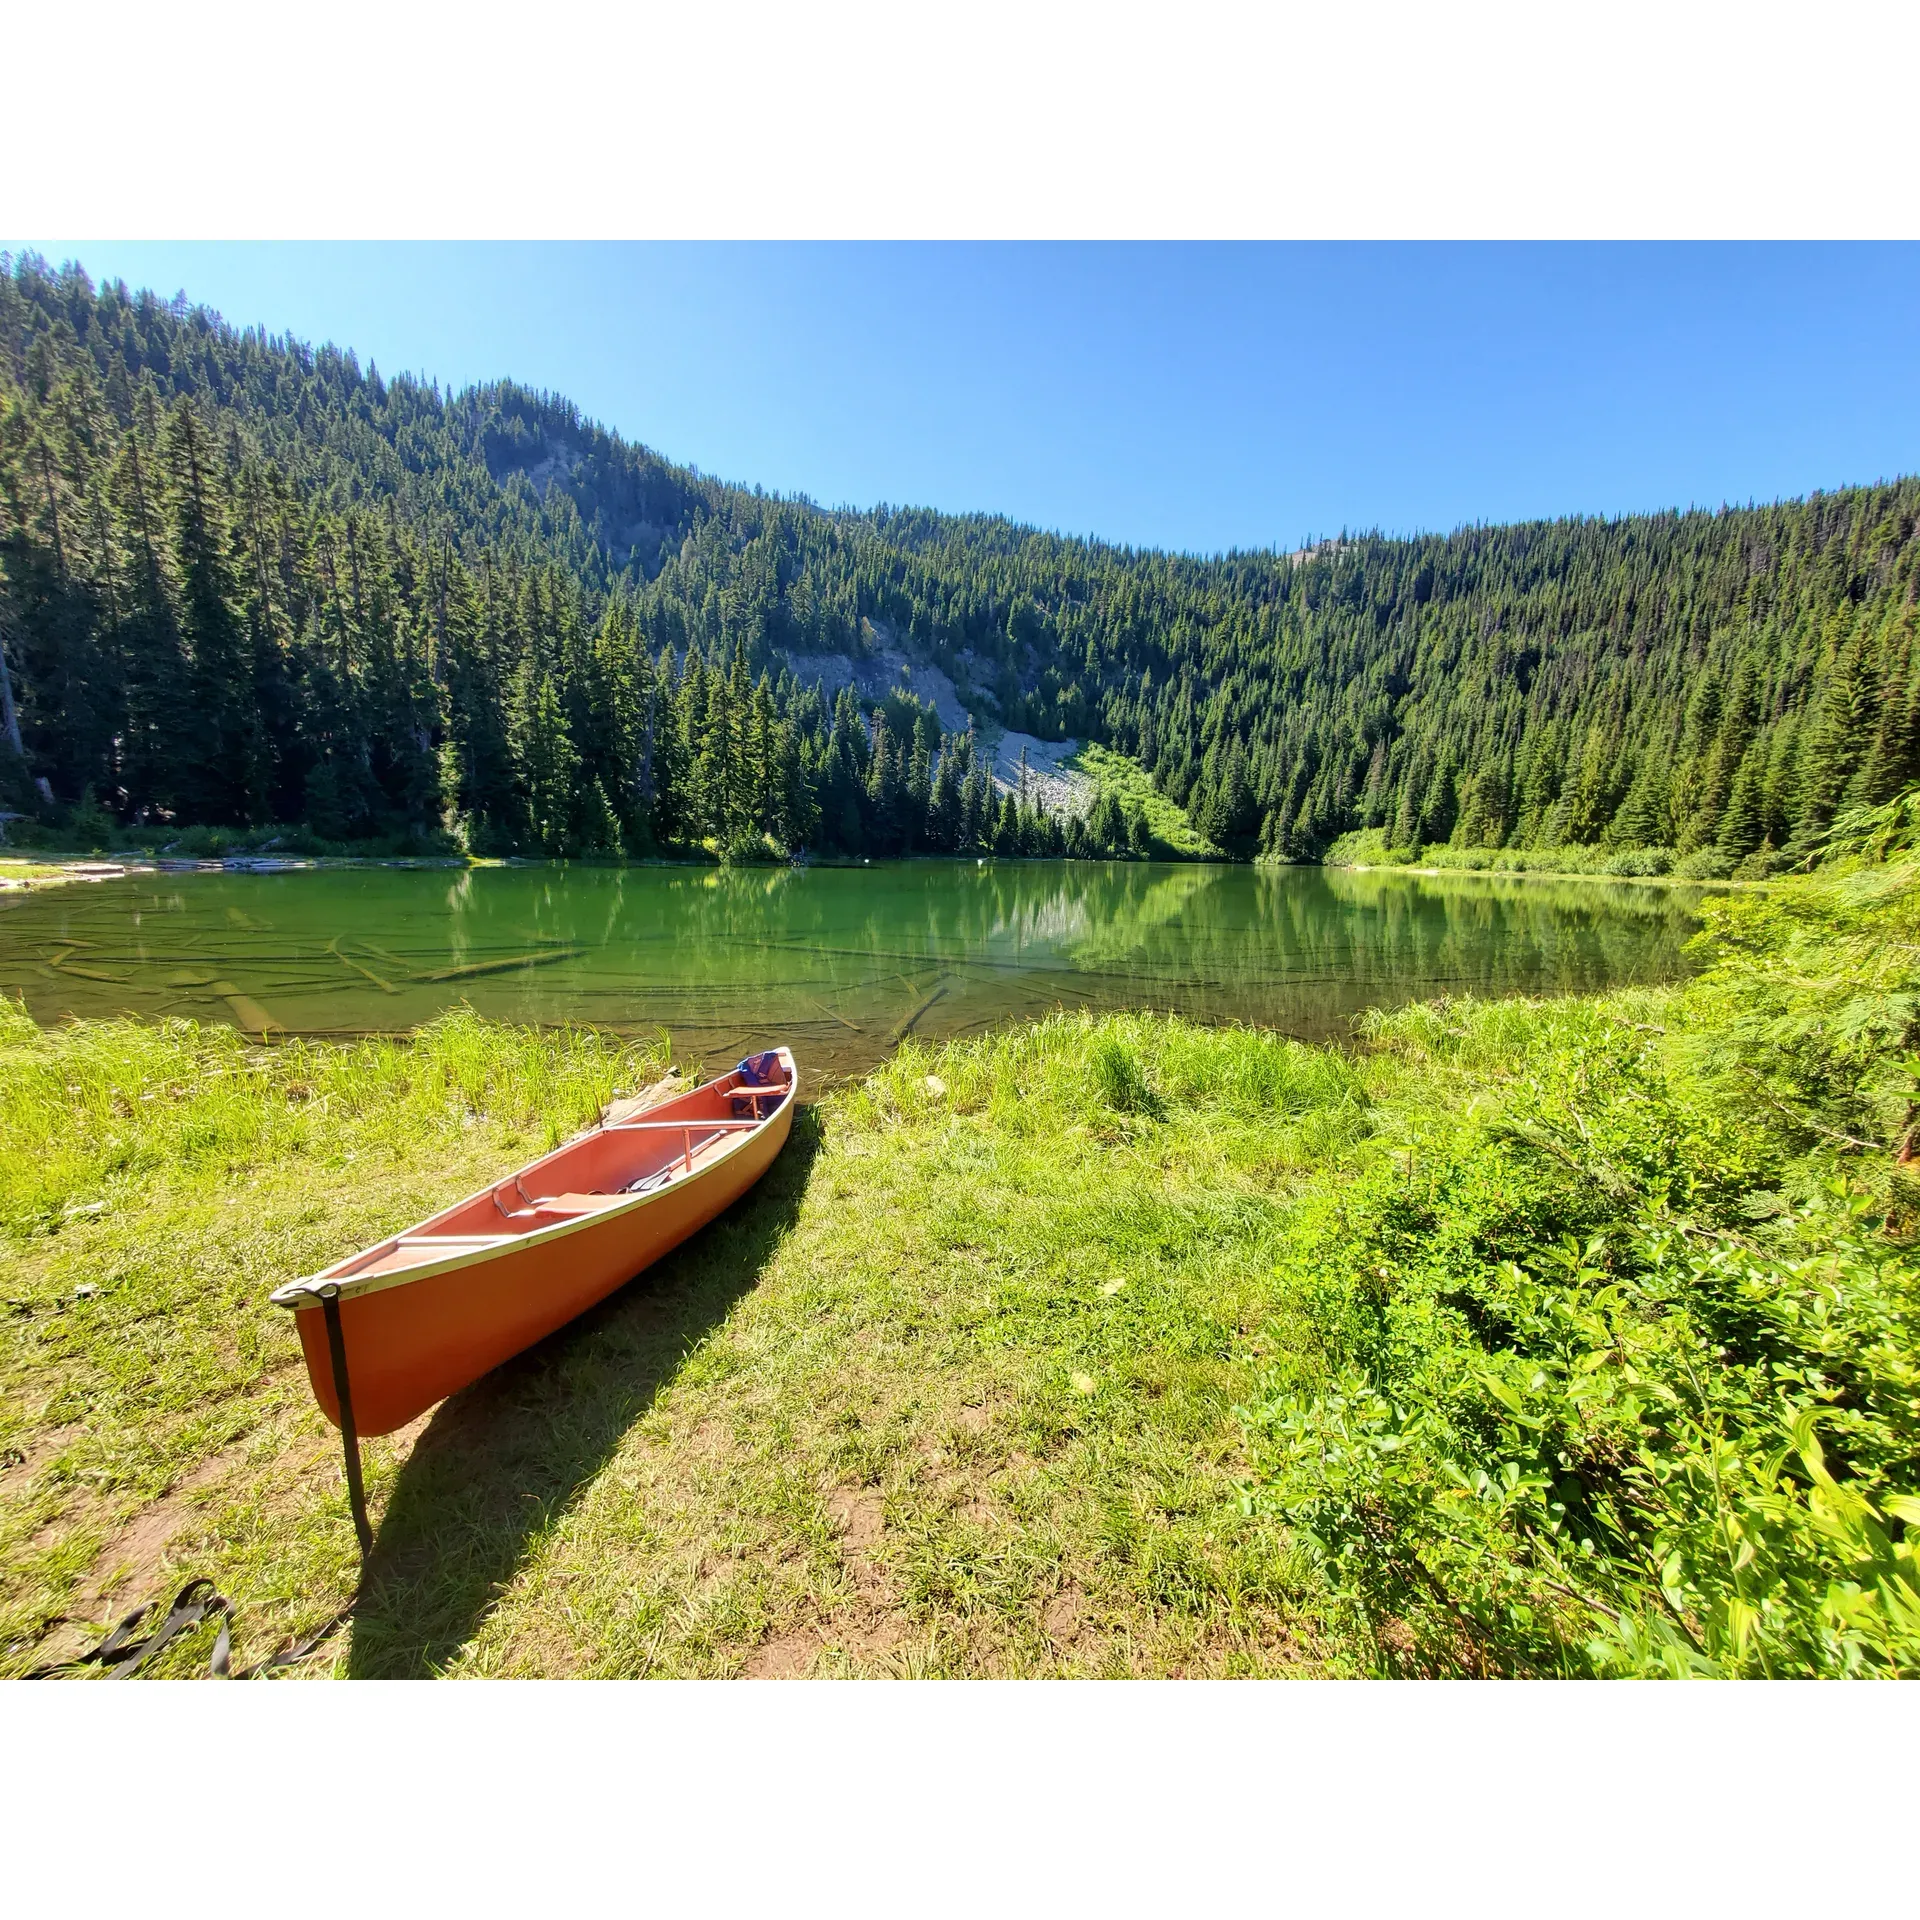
(868, 1630)
(1065, 1615)
(860, 1517)
(129, 1566)
(871, 1639)
(23, 1465)
(865, 1639)
(790, 1656)
(401, 1440)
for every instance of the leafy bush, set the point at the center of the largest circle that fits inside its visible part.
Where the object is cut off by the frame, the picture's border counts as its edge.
(1620, 1375)
(1639, 862)
(1367, 847)
(1765, 863)
(1531, 859)
(1370, 849)
(749, 849)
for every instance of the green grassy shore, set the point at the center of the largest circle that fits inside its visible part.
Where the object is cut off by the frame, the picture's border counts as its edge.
(1529, 1337)
(18, 874)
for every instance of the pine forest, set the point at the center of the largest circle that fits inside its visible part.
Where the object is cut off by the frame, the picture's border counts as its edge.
(246, 582)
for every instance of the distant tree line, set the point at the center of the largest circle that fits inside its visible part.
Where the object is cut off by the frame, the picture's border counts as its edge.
(245, 581)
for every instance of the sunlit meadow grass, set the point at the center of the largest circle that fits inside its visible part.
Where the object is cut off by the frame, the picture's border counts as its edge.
(156, 1182)
(952, 1392)
(16, 871)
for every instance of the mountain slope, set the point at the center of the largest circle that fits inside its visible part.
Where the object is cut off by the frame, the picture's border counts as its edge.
(248, 580)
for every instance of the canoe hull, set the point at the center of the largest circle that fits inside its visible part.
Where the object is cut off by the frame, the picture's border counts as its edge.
(411, 1345)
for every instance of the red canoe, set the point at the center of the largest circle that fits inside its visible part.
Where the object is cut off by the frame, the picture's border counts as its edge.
(424, 1313)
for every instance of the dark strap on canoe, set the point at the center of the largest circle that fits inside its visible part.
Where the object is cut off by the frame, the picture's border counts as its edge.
(199, 1600)
(349, 1436)
(123, 1656)
(299, 1651)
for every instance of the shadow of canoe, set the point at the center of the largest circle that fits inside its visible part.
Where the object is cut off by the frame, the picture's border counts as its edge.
(505, 1457)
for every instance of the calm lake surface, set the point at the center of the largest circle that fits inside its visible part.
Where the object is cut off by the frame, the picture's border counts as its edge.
(838, 962)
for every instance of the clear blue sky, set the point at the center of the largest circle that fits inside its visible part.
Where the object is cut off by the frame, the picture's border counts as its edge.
(1188, 396)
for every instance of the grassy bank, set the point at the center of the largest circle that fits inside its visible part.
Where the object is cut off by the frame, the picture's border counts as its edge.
(19, 874)
(1369, 847)
(1524, 1337)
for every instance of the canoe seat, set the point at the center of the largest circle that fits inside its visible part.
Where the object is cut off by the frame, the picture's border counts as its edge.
(576, 1202)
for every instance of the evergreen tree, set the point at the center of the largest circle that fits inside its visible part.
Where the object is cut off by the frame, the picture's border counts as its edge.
(1106, 831)
(550, 767)
(222, 762)
(1835, 743)
(159, 707)
(1743, 826)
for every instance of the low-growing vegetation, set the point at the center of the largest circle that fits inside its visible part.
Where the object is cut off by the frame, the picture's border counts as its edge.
(17, 873)
(1618, 1373)
(1519, 1337)
(1371, 847)
(1131, 813)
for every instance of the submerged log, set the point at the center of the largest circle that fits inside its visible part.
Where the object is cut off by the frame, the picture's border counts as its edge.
(250, 1015)
(64, 961)
(509, 965)
(913, 1019)
(366, 973)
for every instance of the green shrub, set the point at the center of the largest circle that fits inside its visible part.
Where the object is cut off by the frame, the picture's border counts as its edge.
(750, 849)
(1367, 847)
(1370, 849)
(1765, 864)
(1639, 862)
(1620, 1374)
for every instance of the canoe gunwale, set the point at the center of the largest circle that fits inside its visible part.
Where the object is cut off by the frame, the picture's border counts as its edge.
(304, 1295)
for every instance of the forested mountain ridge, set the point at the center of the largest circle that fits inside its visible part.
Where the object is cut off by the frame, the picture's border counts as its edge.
(245, 580)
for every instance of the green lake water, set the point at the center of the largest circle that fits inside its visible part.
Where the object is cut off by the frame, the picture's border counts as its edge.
(838, 962)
